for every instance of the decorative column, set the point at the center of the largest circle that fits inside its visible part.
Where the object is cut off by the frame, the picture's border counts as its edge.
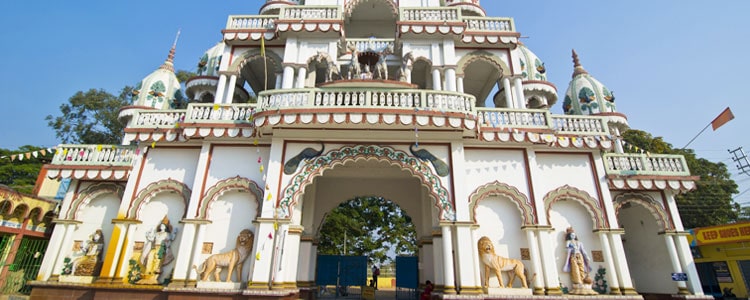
(450, 282)
(460, 83)
(475, 250)
(279, 76)
(465, 256)
(547, 254)
(676, 267)
(288, 80)
(614, 283)
(184, 259)
(520, 99)
(508, 95)
(200, 233)
(437, 259)
(686, 260)
(536, 262)
(436, 82)
(626, 284)
(55, 247)
(291, 249)
(221, 87)
(450, 79)
(301, 77)
(230, 88)
(126, 244)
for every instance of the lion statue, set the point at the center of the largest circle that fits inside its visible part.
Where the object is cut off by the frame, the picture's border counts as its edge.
(500, 264)
(232, 260)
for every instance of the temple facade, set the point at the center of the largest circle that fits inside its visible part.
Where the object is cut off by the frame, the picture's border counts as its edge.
(430, 104)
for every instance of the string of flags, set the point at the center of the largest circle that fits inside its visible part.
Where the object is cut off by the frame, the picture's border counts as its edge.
(30, 154)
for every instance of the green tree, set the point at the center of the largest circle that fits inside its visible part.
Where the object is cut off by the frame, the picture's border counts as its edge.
(369, 226)
(91, 117)
(21, 175)
(711, 202)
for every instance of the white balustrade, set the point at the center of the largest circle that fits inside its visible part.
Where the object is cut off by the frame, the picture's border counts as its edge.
(513, 118)
(582, 125)
(102, 155)
(488, 24)
(646, 164)
(207, 112)
(371, 45)
(157, 118)
(432, 14)
(310, 12)
(251, 22)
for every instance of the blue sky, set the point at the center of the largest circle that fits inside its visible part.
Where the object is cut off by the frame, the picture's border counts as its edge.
(674, 65)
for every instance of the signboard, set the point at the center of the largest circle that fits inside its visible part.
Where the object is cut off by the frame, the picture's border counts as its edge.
(368, 293)
(730, 233)
(679, 277)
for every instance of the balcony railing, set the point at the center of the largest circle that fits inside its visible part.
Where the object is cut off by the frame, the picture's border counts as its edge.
(489, 24)
(645, 164)
(157, 118)
(541, 119)
(371, 45)
(251, 22)
(430, 14)
(310, 12)
(397, 99)
(584, 125)
(219, 113)
(94, 155)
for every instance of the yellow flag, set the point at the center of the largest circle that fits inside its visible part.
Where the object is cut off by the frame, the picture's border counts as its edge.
(275, 226)
(257, 255)
(262, 46)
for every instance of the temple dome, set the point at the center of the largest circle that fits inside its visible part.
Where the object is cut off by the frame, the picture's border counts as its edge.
(539, 92)
(209, 63)
(159, 89)
(588, 96)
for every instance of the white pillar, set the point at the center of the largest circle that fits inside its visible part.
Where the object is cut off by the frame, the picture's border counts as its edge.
(621, 264)
(436, 82)
(475, 250)
(466, 259)
(279, 76)
(55, 248)
(549, 265)
(450, 282)
(536, 262)
(676, 267)
(195, 258)
(437, 257)
(125, 245)
(219, 98)
(288, 81)
(687, 263)
(301, 77)
(508, 95)
(450, 79)
(520, 99)
(182, 261)
(618, 141)
(460, 84)
(230, 88)
(614, 283)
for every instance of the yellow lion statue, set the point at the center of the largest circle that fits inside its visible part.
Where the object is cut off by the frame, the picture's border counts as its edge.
(500, 264)
(232, 260)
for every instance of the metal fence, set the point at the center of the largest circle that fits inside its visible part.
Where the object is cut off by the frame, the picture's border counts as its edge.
(25, 266)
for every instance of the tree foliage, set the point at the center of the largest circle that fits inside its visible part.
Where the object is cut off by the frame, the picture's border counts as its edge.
(20, 175)
(91, 117)
(373, 227)
(711, 202)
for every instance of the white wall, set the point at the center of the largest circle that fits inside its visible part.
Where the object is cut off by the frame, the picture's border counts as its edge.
(499, 219)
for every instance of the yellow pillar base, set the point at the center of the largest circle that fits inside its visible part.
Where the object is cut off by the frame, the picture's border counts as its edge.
(554, 291)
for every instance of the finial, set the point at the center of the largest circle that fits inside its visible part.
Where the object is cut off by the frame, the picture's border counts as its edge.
(577, 67)
(169, 63)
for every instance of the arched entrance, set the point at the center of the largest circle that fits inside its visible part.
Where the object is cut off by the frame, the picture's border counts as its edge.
(360, 234)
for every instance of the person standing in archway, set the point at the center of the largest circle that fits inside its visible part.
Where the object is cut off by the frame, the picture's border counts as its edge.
(375, 274)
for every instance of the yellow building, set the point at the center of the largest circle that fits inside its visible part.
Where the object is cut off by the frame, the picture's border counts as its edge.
(722, 257)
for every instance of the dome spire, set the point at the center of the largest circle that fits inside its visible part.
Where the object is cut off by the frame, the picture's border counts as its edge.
(169, 63)
(577, 67)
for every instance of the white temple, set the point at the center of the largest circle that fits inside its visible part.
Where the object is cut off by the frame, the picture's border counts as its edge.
(371, 98)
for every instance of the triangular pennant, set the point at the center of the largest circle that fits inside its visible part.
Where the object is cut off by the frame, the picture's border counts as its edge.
(35, 154)
(44, 152)
(261, 169)
(275, 226)
(13, 157)
(216, 107)
(153, 145)
(257, 256)
(98, 147)
(259, 160)
(28, 155)
(270, 236)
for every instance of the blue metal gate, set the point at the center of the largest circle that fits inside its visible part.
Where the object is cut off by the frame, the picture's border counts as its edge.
(340, 276)
(407, 277)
